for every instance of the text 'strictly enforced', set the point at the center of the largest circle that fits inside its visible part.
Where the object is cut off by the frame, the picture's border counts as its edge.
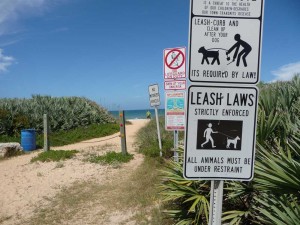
(221, 124)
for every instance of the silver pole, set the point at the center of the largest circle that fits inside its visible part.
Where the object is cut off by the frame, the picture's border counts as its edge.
(46, 131)
(175, 145)
(216, 201)
(158, 131)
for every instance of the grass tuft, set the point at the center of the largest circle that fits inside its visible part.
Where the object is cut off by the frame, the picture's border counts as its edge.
(54, 156)
(111, 158)
(147, 140)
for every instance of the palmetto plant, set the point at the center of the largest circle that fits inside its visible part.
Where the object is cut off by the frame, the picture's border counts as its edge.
(273, 197)
(188, 200)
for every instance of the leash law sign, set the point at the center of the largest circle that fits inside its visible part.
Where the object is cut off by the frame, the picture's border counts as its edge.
(225, 41)
(220, 133)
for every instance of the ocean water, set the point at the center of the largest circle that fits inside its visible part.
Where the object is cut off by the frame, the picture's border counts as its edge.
(137, 114)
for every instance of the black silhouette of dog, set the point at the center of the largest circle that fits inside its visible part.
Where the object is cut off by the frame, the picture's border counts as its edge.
(209, 54)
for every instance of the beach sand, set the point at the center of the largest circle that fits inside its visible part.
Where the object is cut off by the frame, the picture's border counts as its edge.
(25, 186)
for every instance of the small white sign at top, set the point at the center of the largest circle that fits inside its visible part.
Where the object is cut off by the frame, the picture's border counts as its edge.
(174, 63)
(233, 8)
(154, 95)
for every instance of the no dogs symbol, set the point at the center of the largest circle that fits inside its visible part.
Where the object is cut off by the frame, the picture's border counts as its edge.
(174, 59)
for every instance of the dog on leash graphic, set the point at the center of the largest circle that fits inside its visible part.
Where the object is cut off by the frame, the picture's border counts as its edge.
(208, 136)
(241, 50)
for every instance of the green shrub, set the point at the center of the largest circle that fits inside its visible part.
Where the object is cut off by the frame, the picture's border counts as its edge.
(6, 122)
(79, 134)
(54, 156)
(273, 197)
(69, 137)
(64, 113)
(187, 201)
(111, 158)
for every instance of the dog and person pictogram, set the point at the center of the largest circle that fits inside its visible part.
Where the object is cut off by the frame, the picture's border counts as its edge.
(241, 47)
(219, 134)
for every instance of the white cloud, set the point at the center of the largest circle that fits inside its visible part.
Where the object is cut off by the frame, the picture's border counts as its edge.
(5, 61)
(286, 72)
(12, 10)
(11, 13)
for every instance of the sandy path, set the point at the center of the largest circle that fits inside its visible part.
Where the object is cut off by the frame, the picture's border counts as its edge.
(24, 186)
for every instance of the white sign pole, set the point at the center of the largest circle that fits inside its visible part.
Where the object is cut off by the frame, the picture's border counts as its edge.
(216, 202)
(176, 145)
(158, 132)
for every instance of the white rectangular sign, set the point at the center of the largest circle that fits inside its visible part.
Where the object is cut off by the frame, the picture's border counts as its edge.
(175, 85)
(220, 133)
(174, 63)
(225, 41)
(154, 95)
(231, 8)
(175, 110)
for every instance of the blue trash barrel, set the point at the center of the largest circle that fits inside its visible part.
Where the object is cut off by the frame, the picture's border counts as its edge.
(28, 139)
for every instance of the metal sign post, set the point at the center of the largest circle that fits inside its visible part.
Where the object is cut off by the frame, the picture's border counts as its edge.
(158, 132)
(176, 146)
(46, 133)
(216, 199)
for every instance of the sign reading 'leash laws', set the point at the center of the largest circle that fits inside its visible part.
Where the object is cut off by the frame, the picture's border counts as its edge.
(220, 133)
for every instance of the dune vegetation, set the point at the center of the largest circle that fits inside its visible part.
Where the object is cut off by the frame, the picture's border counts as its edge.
(71, 119)
(273, 196)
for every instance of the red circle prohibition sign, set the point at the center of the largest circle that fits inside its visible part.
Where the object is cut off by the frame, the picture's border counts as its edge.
(178, 53)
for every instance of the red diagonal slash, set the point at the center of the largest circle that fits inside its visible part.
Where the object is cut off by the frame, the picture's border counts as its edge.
(170, 64)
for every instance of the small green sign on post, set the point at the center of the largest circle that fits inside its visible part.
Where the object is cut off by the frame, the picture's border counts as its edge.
(123, 132)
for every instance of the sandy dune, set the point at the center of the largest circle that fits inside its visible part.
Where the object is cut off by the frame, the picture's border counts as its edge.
(24, 186)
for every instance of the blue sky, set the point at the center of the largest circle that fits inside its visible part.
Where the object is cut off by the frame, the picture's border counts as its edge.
(111, 50)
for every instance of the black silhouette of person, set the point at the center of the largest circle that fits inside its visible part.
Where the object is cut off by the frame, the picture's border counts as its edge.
(244, 53)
